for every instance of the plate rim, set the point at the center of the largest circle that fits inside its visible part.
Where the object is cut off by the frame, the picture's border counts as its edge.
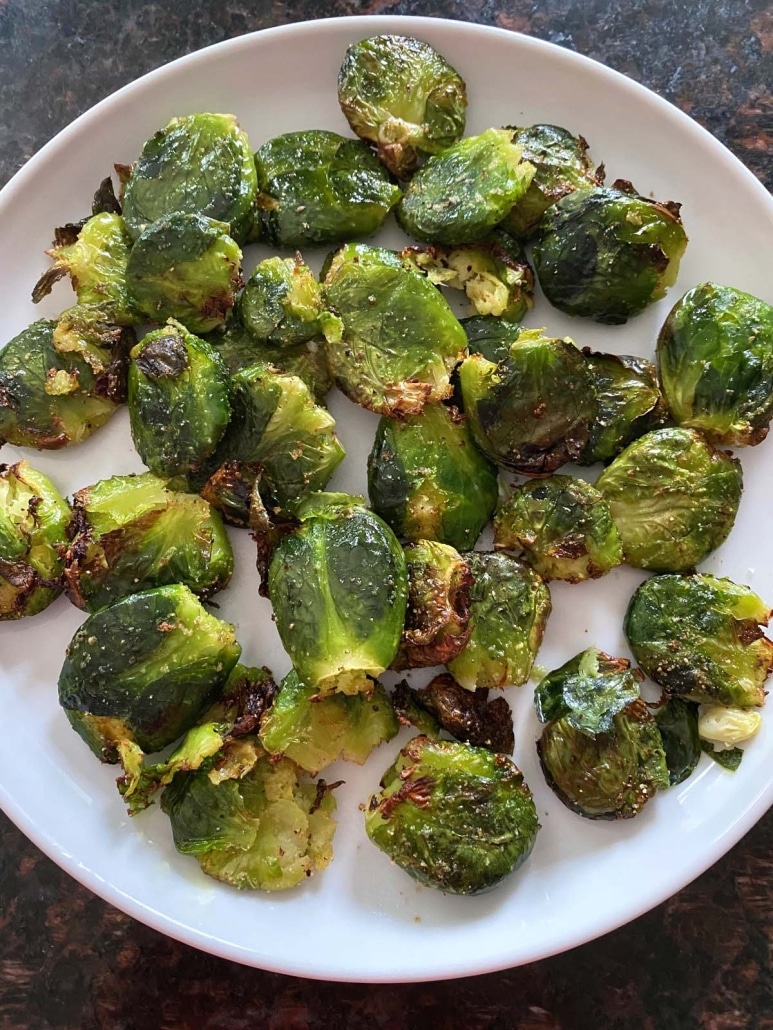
(756, 806)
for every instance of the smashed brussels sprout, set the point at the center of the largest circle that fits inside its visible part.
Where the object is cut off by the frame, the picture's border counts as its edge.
(427, 479)
(467, 715)
(532, 411)
(454, 817)
(200, 164)
(438, 615)
(317, 187)
(95, 257)
(144, 669)
(399, 93)
(673, 499)
(61, 381)
(699, 637)
(510, 606)
(629, 400)
(315, 731)
(267, 829)
(462, 193)
(33, 524)
(282, 302)
(185, 267)
(561, 166)
(607, 253)
(494, 274)
(395, 341)
(178, 400)
(277, 434)
(562, 526)
(129, 533)
(600, 750)
(339, 588)
(715, 357)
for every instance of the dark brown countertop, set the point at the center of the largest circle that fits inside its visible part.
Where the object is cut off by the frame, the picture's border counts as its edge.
(700, 960)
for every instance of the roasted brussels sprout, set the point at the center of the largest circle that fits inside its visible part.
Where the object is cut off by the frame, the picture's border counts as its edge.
(607, 253)
(130, 533)
(316, 731)
(462, 193)
(531, 412)
(437, 620)
(467, 715)
(33, 524)
(95, 257)
(509, 609)
(264, 829)
(427, 479)
(278, 431)
(282, 302)
(185, 267)
(317, 187)
(247, 693)
(673, 499)
(200, 164)
(715, 357)
(339, 590)
(490, 336)
(699, 637)
(454, 817)
(144, 669)
(239, 349)
(178, 400)
(677, 722)
(561, 166)
(629, 403)
(494, 274)
(400, 94)
(562, 526)
(601, 751)
(397, 340)
(60, 381)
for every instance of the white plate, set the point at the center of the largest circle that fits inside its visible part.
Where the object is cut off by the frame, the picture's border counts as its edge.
(363, 919)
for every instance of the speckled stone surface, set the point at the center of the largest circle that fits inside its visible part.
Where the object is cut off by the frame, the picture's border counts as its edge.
(701, 960)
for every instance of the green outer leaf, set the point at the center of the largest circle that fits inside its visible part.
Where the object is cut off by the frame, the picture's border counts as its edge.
(563, 526)
(179, 413)
(510, 607)
(398, 340)
(427, 479)
(729, 758)
(454, 817)
(699, 638)
(200, 164)
(673, 498)
(462, 193)
(317, 187)
(33, 525)
(317, 731)
(678, 724)
(715, 357)
(588, 692)
(153, 661)
(339, 590)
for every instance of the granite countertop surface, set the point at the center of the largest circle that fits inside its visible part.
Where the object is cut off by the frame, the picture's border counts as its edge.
(700, 960)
